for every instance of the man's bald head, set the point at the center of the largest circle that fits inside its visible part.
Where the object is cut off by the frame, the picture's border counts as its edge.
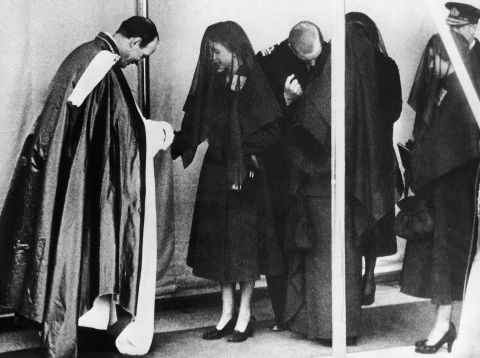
(305, 40)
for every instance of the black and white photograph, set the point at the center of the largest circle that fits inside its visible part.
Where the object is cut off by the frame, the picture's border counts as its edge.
(239, 178)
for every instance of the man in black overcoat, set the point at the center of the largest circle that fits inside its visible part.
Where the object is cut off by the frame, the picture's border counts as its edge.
(289, 67)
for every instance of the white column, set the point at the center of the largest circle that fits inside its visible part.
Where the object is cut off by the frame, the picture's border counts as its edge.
(143, 69)
(338, 180)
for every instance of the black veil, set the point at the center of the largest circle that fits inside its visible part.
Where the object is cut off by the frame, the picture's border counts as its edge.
(365, 24)
(369, 130)
(250, 102)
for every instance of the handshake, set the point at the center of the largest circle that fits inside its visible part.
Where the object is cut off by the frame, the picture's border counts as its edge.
(168, 134)
(159, 135)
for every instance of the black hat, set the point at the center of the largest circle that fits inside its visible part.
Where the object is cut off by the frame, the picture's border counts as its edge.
(463, 12)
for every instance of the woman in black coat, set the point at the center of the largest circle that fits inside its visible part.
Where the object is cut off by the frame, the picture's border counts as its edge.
(444, 158)
(374, 104)
(231, 105)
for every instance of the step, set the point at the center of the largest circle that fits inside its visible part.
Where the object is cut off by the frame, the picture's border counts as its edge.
(179, 320)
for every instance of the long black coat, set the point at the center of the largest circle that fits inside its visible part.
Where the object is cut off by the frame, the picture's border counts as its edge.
(309, 297)
(445, 158)
(278, 63)
(232, 237)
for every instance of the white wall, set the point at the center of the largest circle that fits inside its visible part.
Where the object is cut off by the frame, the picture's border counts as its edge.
(36, 37)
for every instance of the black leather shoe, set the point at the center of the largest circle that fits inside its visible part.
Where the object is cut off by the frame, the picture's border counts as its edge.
(238, 336)
(448, 338)
(95, 340)
(220, 333)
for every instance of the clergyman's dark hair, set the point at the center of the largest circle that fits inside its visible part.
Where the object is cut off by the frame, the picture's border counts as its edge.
(139, 26)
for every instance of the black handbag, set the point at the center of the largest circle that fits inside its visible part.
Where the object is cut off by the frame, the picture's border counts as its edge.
(414, 221)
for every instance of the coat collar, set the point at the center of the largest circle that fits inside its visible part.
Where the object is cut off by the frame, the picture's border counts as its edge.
(109, 41)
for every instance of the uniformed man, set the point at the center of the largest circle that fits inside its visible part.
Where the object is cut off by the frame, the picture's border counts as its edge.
(289, 67)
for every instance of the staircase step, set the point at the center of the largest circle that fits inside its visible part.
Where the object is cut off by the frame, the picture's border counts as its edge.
(184, 315)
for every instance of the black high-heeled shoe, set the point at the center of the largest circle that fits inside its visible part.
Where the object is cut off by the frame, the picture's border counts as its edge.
(238, 336)
(448, 338)
(220, 333)
(368, 296)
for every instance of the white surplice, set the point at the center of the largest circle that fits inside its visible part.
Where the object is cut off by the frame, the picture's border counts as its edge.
(136, 337)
